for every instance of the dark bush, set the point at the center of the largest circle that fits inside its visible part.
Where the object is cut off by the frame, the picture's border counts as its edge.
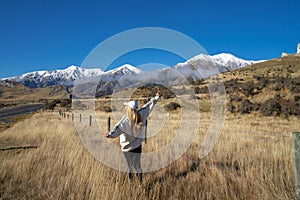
(263, 82)
(294, 86)
(235, 97)
(248, 88)
(280, 106)
(231, 85)
(286, 107)
(171, 106)
(52, 104)
(245, 107)
(278, 87)
(198, 82)
(230, 107)
(296, 109)
(151, 89)
(282, 83)
(271, 107)
(66, 103)
(202, 90)
(168, 95)
(296, 98)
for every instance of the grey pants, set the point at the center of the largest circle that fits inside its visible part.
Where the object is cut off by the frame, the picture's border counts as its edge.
(133, 159)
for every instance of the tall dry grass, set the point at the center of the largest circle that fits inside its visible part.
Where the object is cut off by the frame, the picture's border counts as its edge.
(252, 160)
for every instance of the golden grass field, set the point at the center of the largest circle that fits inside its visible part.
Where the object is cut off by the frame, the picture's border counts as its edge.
(253, 159)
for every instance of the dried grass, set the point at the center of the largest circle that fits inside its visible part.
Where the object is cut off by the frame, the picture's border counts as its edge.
(253, 159)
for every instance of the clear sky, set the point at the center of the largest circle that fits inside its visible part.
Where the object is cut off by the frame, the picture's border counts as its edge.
(48, 35)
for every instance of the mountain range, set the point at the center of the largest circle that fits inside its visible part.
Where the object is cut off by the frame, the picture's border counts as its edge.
(200, 66)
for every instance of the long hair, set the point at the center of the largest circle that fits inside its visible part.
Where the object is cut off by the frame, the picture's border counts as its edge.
(135, 119)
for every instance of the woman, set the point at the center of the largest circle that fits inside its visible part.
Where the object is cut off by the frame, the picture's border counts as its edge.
(131, 129)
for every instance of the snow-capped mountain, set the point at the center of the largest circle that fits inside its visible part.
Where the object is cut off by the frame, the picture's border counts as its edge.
(69, 75)
(200, 66)
(125, 69)
(222, 62)
(117, 73)
(230, 61)
(203, 66)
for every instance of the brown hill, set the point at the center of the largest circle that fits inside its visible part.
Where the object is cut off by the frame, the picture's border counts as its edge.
(271, 87)
(12, 92)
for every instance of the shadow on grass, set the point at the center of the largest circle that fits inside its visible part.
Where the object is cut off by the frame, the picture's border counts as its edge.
(194, 166)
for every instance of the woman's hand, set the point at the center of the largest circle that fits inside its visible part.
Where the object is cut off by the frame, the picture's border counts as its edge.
(157, 96)
(105, 134)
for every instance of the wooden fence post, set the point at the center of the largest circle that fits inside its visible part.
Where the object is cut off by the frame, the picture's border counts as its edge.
(90, 120)
(80, 117)
(146, 131)
(72, 116)
(296, 141)
(108, 124)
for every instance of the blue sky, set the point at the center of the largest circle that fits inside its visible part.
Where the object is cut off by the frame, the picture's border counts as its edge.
(48, 35)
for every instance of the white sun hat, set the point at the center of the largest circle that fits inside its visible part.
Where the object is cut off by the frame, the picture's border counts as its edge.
(131, 104)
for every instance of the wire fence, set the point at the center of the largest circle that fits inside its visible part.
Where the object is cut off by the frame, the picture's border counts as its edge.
(88, 119)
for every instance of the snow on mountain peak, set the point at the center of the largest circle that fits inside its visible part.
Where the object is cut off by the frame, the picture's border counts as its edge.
(62, 76)
(208, 65)
(72, 67)
(226, 58)
(132, 68)
(125, 69)
(223, 62)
